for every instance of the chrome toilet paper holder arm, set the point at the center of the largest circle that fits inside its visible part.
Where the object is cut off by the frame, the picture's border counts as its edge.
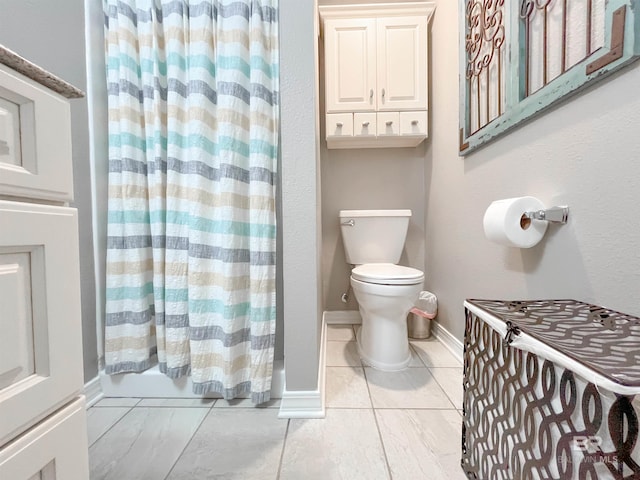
(553, 214)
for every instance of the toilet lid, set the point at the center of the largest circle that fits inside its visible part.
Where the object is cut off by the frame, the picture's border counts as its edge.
(387, 274)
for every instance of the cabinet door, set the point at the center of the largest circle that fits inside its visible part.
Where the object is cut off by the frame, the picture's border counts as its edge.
(54, 450)
(402, 63)
(350, 65)
(35, 140)
(40, 329)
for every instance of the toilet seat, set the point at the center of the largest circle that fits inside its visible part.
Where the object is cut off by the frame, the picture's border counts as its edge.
(387, 274)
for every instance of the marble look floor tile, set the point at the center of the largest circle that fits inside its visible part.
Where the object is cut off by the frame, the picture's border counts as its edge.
(343, 446)
(409, 388)
(450, 379)
(177, 402)
(145, 444)
(435, 354)
(246, 403)
(346, 387)
(100, 420)
(343, 354)
(234, 444)
(422, 443)
(343, 333)
(118, 402)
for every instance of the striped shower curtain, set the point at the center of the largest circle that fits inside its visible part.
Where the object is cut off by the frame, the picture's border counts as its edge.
(193, 135)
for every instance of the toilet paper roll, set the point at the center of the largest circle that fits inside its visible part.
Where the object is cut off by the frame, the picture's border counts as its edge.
(505, 223)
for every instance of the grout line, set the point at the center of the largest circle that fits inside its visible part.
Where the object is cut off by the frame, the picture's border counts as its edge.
(284, 443)
(442, 388)
(350, 408)
(96, 405)
(415, 352)
(114, 423)
(375, 419)
(187, 444)
(417, 408)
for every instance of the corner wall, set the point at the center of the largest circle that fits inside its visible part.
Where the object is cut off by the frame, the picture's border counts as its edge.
(583, 153)
(366, 179)
(51, 34)
(300, 177)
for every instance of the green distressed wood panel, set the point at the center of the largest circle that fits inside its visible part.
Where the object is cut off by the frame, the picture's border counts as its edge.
(520, 108)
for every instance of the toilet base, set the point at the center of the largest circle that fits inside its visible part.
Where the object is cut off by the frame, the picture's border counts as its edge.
(385, 367)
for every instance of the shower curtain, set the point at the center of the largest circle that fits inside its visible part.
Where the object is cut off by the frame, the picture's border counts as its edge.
(193, 142)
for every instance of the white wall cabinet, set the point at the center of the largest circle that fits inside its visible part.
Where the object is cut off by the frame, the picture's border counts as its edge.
(42, 409)
(375, 60)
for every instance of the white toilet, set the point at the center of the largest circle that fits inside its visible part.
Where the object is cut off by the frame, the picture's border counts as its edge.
(373, 242)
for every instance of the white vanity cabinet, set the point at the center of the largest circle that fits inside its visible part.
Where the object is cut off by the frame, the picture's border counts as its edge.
(42, 410)
(376, 61)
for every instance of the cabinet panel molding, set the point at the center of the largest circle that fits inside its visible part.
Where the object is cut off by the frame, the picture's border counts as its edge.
(35, 140)
(402, 63)
(51, 450)
(350, 65)
(48, 236)
(16, 334)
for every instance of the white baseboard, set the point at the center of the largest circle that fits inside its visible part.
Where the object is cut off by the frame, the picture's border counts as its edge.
(342, 317)
(448, 340)
(93, 391)
(308, 403)
(301, 404)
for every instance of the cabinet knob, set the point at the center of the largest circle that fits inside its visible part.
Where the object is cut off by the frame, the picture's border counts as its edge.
(389, 123)
(365, 124)
(414, 122)
(339, 124)
(371, 94)
(383, 93)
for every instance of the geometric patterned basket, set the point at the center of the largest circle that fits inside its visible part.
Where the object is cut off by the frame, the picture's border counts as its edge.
(526, 417)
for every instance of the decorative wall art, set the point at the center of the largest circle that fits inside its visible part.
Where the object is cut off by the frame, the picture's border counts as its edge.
(520, 58)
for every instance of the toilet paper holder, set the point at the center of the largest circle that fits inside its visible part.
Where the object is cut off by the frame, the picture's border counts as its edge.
(553, 215)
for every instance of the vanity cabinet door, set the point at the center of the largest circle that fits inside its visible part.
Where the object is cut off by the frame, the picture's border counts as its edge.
(402, 63)
(350, 65)
(54, 450)
(40, 328)
(35, 140)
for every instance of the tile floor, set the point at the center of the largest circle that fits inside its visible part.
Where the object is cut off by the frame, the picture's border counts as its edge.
(379, 425)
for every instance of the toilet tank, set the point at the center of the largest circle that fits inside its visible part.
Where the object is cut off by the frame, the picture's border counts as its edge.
(374, 236)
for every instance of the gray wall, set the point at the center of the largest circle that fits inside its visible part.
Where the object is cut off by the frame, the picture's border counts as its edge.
(368, 179)
(51, 34)
(365, 179)
(583, 153)
(300, 175)
(99, 149)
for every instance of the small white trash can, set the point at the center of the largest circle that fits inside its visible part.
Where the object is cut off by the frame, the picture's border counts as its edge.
(420, 317)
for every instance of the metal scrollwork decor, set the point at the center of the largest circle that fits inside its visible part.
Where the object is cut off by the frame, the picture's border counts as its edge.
(521, 57)
(525, 417)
